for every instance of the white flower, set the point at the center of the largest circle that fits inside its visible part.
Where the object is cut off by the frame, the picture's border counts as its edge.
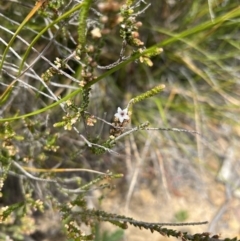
(122, 114)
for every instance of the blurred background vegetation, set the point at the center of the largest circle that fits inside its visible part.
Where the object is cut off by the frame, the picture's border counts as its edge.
(168, 176)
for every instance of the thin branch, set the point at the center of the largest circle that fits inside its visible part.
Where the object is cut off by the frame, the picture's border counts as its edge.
(155, 224)
(140, 127)
(172, 129)
(30, 175)
(57, 170)
(90, 144)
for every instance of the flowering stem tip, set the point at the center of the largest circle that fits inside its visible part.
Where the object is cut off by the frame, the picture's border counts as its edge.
(147, 94)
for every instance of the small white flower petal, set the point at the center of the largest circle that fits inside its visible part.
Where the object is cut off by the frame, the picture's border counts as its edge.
(122, 114)
(121, 118)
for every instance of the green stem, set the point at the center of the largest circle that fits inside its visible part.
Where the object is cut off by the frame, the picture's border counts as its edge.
(83, 22)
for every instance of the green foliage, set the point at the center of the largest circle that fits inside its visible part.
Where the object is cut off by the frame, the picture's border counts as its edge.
(82, 26)
(181, 215)
(107, 236)
(148, 94)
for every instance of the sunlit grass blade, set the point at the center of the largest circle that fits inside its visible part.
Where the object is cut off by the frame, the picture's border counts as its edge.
(63, 16)
(199, 28)
(6, 93)
(29, 16)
